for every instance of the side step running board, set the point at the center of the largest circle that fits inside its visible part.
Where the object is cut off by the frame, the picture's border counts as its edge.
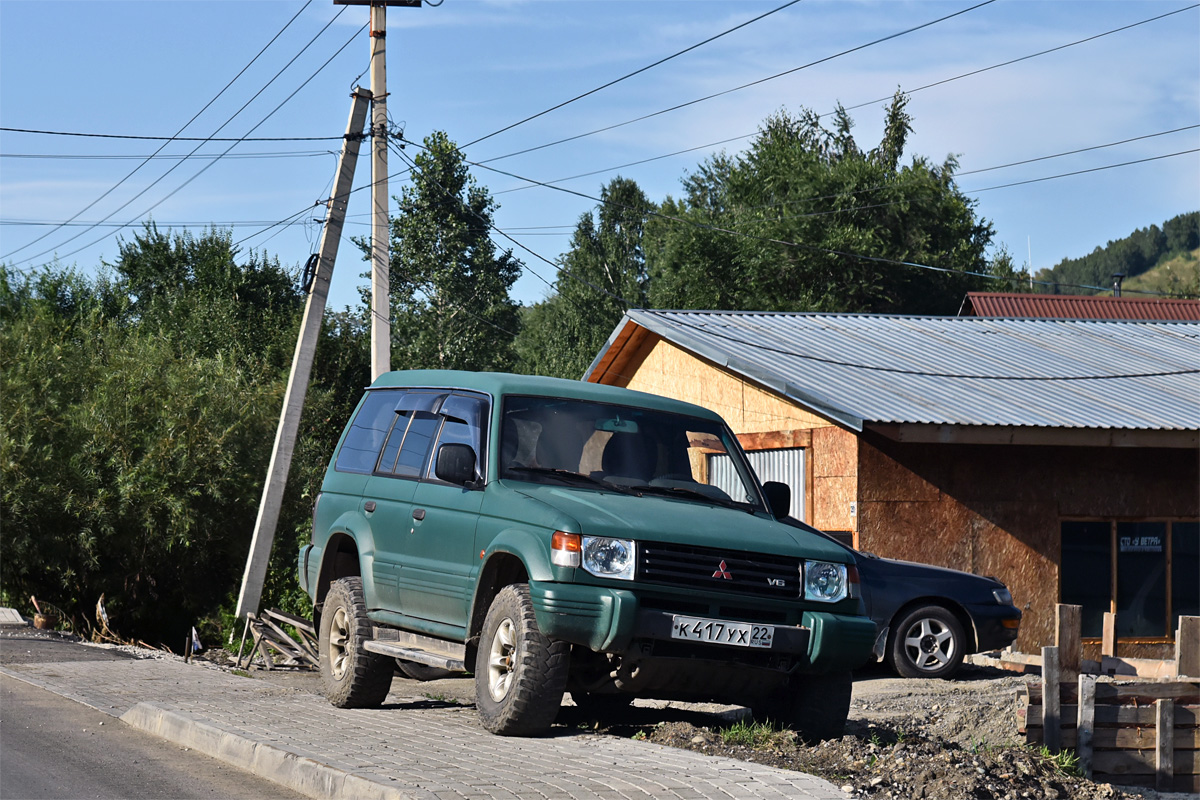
(397, 650)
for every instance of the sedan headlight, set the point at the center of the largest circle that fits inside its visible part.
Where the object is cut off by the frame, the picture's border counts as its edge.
(609, 558)
(825, 582)
(1003, 596)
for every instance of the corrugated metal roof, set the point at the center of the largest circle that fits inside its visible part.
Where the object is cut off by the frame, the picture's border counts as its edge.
(953, 370)
(1062, 306)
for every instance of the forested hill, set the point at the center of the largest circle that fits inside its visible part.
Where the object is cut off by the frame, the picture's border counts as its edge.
(1136, 254)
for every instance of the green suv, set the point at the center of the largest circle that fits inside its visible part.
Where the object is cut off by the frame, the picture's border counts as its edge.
(556, 536)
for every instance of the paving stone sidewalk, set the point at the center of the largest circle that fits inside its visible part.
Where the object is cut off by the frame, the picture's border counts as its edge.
(413, 748)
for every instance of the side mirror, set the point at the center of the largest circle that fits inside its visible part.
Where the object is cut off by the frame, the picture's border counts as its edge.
(455, 464)
(779, 498)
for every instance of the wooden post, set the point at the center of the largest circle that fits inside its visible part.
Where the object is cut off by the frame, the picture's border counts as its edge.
(1051, 700)
(1108, 644)
(1085, 723)
(1187, 647)
(1067, 626)
(1164, 746)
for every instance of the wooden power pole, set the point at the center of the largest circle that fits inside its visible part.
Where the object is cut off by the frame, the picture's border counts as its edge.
(302, 361)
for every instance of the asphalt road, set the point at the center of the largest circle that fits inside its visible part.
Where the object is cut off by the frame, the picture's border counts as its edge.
(51, 747)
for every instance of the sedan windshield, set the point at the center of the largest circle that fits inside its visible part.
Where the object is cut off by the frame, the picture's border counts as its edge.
(625, 449)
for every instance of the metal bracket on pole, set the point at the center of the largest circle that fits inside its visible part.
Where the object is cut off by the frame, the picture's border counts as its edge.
(302, 361)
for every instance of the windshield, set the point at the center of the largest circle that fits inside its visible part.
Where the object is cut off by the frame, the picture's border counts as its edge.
(623, 448)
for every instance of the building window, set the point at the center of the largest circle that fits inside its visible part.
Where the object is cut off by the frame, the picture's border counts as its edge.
(1147, 571)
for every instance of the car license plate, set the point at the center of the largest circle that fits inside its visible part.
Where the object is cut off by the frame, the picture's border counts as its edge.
(715, 631)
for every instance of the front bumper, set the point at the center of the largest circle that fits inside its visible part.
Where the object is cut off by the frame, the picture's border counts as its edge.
(996, 627)
(613, 621)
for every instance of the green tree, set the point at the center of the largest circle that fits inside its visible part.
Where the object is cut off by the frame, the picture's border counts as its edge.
(601, 276)
(449, 285)
(806, 219)
(124, 467)
(199, 292)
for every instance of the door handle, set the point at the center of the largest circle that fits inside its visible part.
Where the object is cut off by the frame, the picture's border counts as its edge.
(369, 506)
(418, 514)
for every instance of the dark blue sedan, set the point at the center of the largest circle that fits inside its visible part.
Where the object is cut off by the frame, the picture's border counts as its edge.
(929, 618)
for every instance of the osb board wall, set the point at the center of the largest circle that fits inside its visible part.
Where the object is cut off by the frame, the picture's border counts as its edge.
(662, 368)
(996, 509)
(834, 467)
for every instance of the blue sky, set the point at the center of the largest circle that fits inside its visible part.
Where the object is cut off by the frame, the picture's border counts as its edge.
(472, 67)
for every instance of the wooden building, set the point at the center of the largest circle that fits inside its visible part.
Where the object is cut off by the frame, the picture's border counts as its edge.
(1062, 456)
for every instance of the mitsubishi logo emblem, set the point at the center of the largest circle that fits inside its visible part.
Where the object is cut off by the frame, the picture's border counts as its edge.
(723, 572)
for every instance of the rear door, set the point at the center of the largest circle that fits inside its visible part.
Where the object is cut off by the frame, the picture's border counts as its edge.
(387, 498)
(440, 561)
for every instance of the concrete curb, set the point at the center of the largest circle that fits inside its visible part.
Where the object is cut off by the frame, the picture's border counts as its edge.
(302, 773)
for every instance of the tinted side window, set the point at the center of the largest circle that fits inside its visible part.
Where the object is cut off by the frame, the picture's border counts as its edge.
(409, 406)
(421, 430)
(368, 431)
(463, 421)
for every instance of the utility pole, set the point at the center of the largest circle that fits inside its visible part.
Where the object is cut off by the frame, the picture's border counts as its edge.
(381, 317)
(302, 361)
(381, 327)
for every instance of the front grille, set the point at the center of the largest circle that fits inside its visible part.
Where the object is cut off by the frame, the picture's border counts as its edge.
(710, 569)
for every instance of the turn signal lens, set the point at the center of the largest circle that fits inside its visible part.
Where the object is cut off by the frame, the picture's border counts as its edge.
(565, 549)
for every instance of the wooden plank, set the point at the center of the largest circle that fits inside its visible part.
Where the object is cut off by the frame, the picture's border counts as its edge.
(1128, 692)
(1138, 762)
(776, 440)
(1085, 718)
(1164, 745)
(1052, 697)
(1119, 716)
(1067, 622)
(1137, 667)
(1187, 647)
(1108, 639)
(299, 623)
(1133, 739)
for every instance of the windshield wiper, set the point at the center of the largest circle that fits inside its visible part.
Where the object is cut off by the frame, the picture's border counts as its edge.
(692, 494)
(567, 476)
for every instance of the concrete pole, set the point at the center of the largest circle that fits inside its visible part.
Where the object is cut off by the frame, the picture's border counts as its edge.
(381, 328)
(302, 361)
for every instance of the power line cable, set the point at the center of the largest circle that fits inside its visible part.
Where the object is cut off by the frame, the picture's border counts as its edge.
(813, 248)
(743, 86)
(208, 166)
(181, 138)
(631, 74)
(146, 161)
(871, 102)
(835, 362)
(168, 156)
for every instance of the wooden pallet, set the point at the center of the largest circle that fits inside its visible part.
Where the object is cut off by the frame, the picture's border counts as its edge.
(1140, 733)
(274, 647)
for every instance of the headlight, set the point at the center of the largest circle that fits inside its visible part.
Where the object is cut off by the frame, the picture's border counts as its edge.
(825, 582)
(609, 558)
(1003, 596)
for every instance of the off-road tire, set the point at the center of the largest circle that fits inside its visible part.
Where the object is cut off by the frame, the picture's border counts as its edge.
(814, 706)
(929, 642)
(353, 677)
(422, 672)
(520, 674)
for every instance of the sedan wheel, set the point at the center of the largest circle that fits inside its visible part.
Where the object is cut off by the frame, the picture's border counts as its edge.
(928, 643)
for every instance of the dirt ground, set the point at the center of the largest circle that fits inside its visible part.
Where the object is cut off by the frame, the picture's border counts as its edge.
(905, 738)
